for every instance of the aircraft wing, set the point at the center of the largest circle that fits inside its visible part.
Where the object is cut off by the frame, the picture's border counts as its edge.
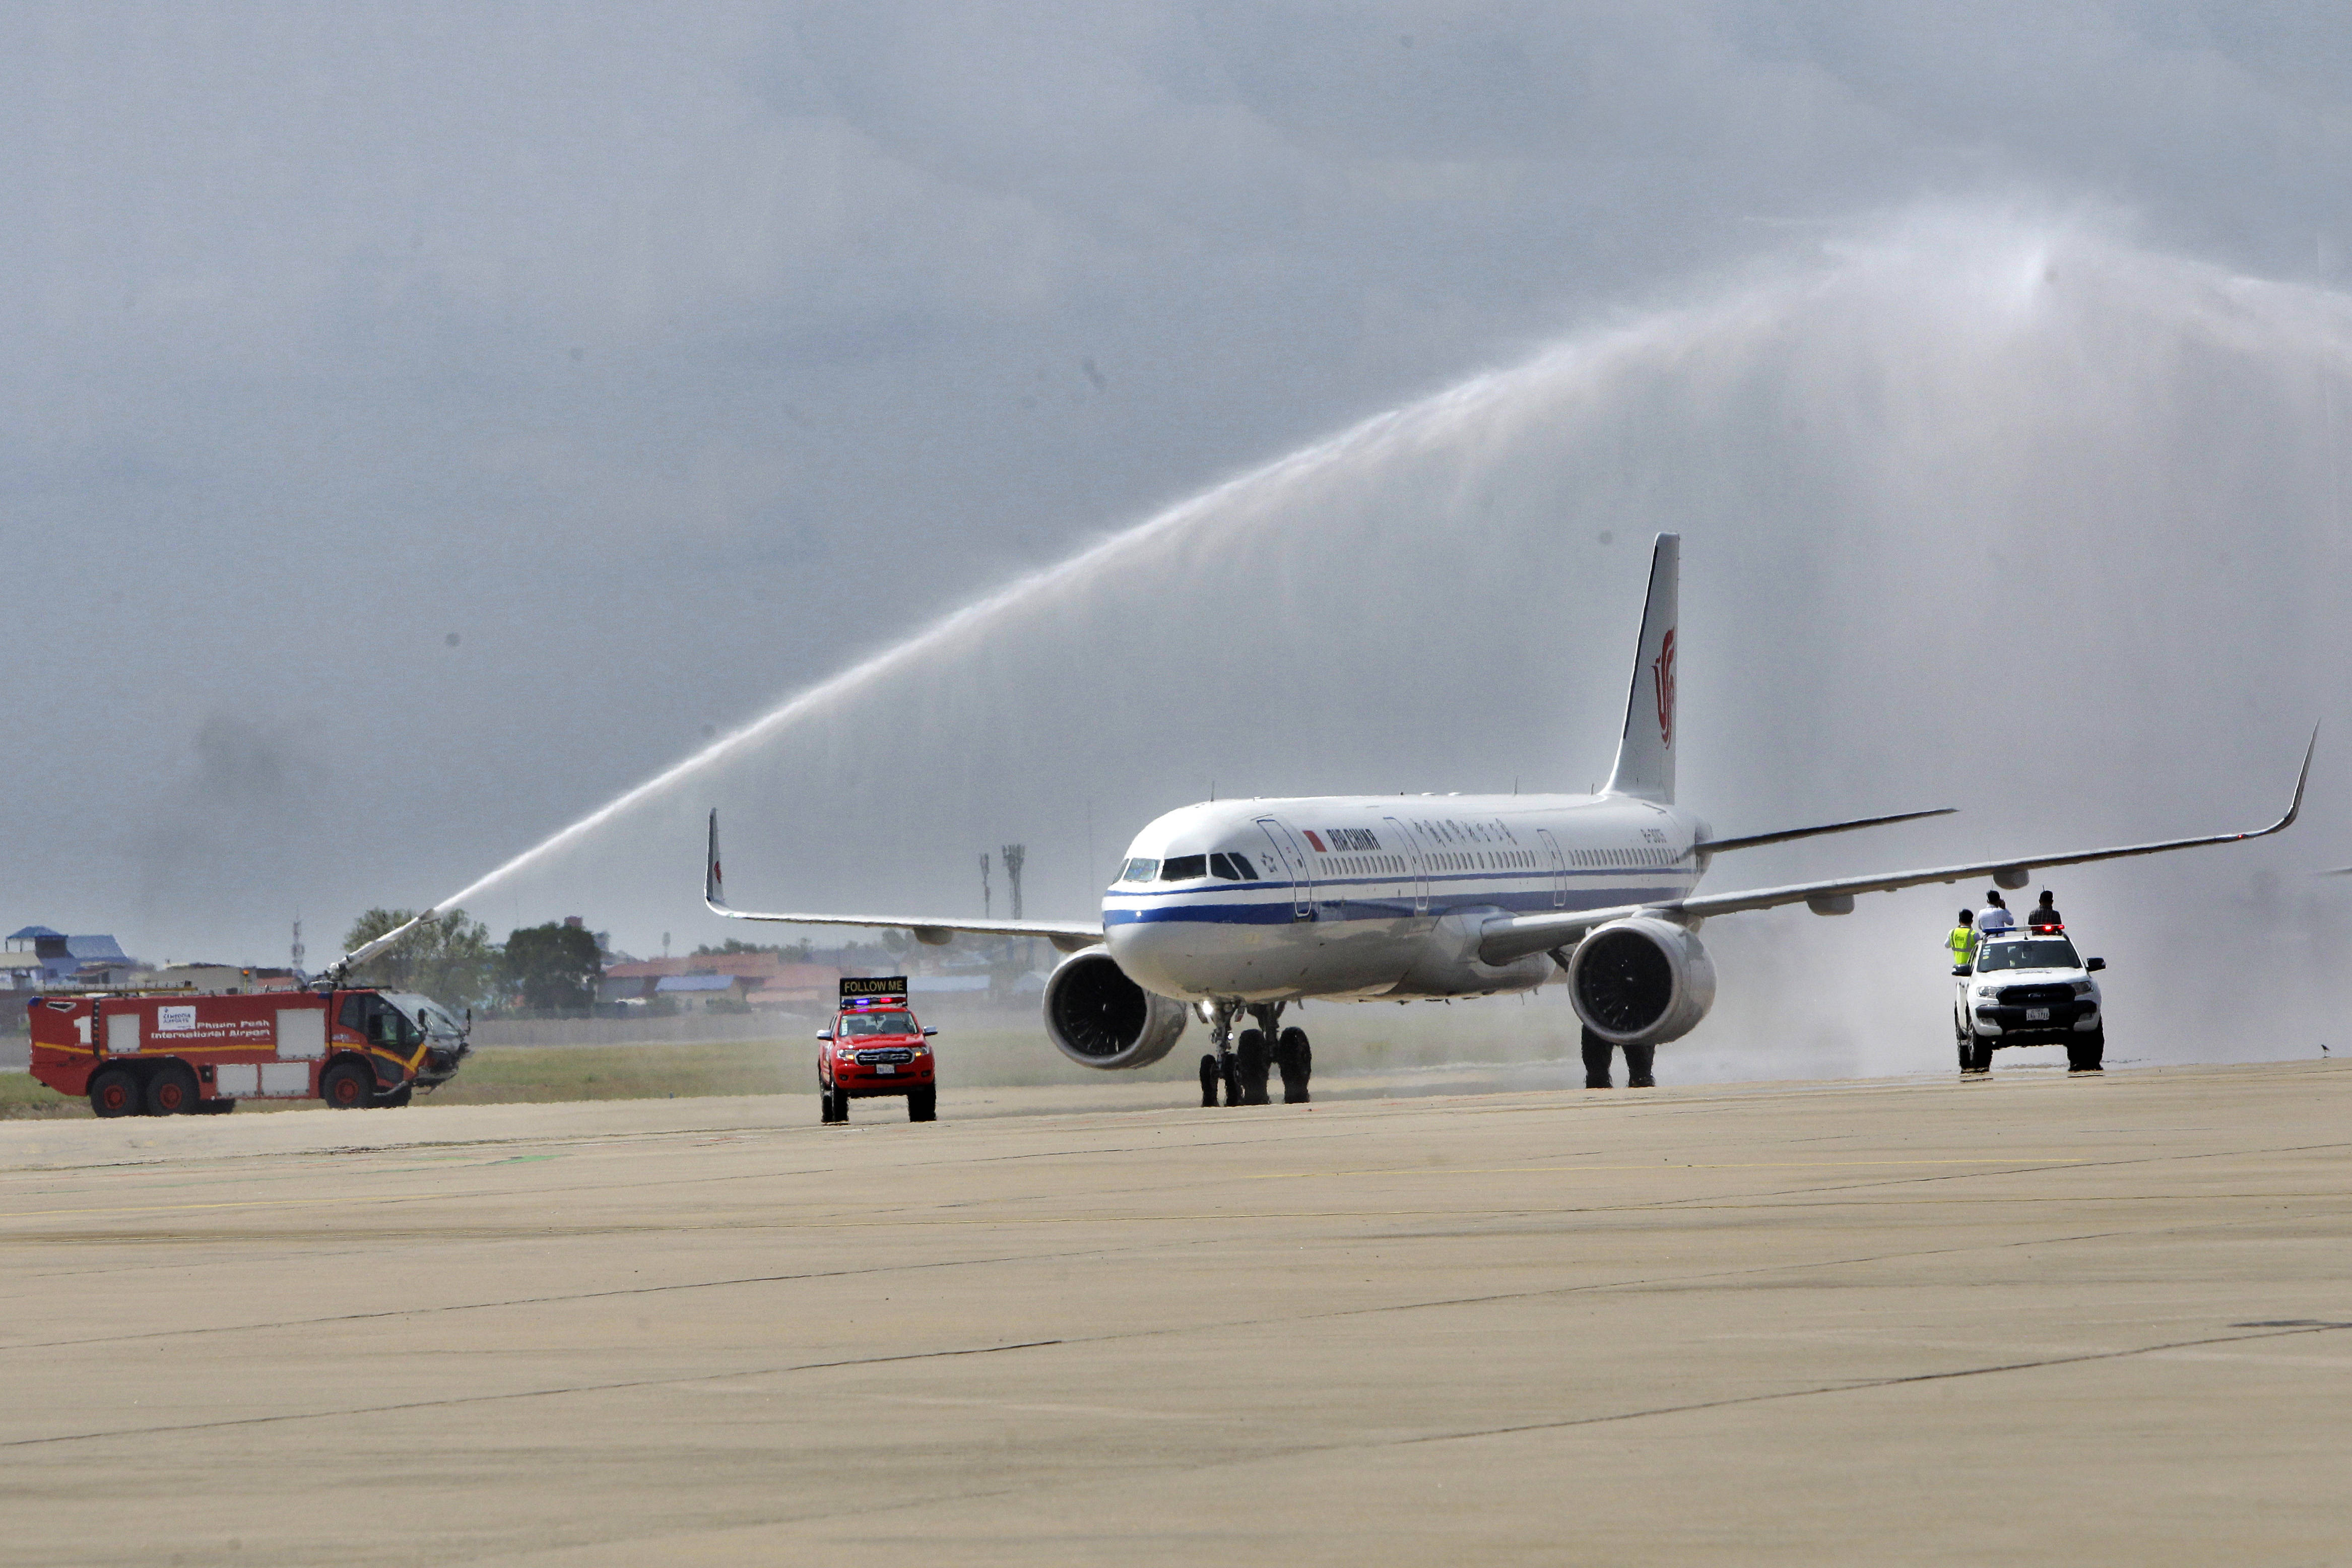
(1508, 937)
(1750, 840)
(1066, 935)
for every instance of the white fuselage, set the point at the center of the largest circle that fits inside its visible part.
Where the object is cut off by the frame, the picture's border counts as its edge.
(1365, 897)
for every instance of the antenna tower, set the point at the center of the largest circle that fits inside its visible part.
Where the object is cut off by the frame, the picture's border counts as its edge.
(1014, 854)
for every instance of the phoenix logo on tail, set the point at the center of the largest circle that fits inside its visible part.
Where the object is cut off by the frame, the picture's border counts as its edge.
(1662, 676)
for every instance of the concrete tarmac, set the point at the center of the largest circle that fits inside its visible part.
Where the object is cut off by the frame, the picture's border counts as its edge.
(2032, 1319)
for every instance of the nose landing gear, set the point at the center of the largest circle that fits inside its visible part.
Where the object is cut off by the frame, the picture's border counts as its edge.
(1241, 1066)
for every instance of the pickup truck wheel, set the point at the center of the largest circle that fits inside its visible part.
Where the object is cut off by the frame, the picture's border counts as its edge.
(347, 1085)
(923, 1104)
(2089, 1055)
(114, 1091)
(172, 1091)
(1981, 1050)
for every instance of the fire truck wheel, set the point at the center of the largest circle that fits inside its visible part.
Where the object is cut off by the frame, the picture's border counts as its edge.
(396, 1099)
(114, 1091)
(923, 1104)
(172, 1091)
(347, 1085)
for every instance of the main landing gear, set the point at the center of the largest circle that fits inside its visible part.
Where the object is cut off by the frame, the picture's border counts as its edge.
(1638, 1060)
(1240, 1067)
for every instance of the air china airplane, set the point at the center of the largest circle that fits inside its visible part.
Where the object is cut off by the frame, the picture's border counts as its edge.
(1240, 908)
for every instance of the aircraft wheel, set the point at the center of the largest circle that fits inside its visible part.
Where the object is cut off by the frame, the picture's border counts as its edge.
(1208, 1081)
(1235, 1093)
(1250, 1052)
(1297, 1059)
(1637, 1066)
(1597, 1052)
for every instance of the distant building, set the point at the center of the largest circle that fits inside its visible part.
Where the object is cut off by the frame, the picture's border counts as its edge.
(763, 979)
(62, 959)
(697, 991)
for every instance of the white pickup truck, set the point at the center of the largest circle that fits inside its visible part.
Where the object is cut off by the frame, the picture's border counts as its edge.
(2029, 987)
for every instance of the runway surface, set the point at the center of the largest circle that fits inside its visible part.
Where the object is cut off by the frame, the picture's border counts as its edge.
(2032, 1319)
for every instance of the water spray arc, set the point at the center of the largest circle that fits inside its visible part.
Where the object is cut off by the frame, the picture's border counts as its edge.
(1892, 443)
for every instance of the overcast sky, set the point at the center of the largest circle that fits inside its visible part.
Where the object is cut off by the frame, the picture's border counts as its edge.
(423, 423)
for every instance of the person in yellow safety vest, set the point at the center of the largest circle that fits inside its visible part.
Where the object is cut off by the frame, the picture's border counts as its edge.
(1963, 943)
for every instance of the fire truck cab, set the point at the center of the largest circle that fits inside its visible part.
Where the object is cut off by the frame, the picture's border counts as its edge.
(876, 1048)
(168, 1053)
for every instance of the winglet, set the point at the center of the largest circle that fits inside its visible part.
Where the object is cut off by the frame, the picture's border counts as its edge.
(714, 890)
(2294, 806)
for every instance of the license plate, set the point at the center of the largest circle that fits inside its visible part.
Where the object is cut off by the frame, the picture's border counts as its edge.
(887, 1067)
(2033, 1016)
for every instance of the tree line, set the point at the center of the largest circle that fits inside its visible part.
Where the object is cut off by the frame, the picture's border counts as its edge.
(453, 960)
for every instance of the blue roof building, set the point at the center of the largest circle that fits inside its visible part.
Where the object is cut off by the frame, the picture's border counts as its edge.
(63, 957)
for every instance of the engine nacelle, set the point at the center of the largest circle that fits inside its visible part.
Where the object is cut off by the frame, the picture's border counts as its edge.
(1640, 982)
(1098, 1018)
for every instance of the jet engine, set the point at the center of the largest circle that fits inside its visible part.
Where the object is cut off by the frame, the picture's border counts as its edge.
(1640, 982)
(1099, 1018)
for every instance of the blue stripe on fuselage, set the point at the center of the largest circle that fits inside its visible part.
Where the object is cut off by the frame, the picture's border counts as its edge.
(1279, 913)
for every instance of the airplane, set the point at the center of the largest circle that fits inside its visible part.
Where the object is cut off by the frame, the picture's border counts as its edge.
(1236, 908)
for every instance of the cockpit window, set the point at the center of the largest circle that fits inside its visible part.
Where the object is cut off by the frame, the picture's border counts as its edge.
(1221, 865)
(1241, 864)
(1140, 871)
(1184, 867)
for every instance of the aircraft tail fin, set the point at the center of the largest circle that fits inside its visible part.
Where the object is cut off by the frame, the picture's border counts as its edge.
(1645, 749)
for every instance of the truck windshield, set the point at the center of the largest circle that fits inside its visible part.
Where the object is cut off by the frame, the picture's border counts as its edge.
(855, 1024)
(434, 1018)
(2042, 952)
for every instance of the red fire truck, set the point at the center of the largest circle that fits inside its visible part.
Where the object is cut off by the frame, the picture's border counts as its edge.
(164, 1053)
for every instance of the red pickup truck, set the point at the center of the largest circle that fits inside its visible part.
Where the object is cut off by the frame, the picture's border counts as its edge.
(876, 1048)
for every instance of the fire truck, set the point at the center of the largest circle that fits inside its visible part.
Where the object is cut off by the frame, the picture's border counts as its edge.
(171, 1053)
